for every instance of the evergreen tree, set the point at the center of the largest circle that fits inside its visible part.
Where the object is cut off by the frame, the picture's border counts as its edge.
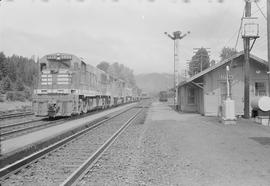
(19, 85)
(3, 68)
(6, 84)
(227, 52)
(103, 66)
(199, 62)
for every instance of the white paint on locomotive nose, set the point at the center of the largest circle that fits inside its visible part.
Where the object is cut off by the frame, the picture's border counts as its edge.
(62, 79)
(62, 75)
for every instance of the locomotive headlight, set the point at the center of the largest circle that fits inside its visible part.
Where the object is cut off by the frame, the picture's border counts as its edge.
(58, 56)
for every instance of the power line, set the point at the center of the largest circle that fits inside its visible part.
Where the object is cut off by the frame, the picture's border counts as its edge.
(260, 10)
(240, 27)
(255, 12)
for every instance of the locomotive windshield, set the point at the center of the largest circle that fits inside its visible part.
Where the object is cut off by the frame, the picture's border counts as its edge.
(59, 61)
(59, 64)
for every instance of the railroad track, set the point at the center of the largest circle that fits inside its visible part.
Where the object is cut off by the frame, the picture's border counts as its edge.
(15, 115)
(65, 161)
(21, 128)
(80, 172)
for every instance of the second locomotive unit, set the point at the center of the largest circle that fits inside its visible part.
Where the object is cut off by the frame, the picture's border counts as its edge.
(68, 86)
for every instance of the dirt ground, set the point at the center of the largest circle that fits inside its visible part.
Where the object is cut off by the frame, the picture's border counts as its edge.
(173, 148)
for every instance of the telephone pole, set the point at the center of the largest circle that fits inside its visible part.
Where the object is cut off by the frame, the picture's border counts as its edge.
(246, 41)
(250, 32)
(268, 42)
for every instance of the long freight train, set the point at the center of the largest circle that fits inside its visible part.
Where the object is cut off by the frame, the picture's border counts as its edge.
(68, 86)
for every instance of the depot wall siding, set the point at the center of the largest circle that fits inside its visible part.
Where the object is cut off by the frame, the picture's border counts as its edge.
(210, 95)
(238, 88)
(215, 89)
(210, 98)
(185, 106)
(200, 101)
(259, 76)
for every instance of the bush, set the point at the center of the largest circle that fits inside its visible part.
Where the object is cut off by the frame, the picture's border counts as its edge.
(2, 97)
(19, 96)
(19, 86)
(15, 96)
(6, 84)
(10, 96)
(28, 93)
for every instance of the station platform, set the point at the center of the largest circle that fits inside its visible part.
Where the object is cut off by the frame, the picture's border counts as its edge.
(178, 148)
(21, 142)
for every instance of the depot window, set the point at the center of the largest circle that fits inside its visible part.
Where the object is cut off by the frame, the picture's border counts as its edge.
(43, 66)
(191, 95)
(260, 89)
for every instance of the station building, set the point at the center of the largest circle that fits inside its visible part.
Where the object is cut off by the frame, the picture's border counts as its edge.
(204, 92)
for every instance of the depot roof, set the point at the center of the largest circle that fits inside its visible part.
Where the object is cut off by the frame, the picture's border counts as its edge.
(200, 74)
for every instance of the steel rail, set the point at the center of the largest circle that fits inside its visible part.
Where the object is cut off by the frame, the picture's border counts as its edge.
(79, 173)
(19, 123)
(29, 128)
(12, 168)
(5, 116)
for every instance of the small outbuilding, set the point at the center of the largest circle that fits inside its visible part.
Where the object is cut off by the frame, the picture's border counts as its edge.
(204, 92)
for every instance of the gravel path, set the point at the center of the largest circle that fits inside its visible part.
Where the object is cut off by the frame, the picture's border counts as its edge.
(185, 149)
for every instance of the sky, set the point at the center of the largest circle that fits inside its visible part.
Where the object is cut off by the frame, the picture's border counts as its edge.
(130, 32)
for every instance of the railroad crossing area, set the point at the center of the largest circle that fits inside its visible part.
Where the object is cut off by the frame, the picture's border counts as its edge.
(159, 147)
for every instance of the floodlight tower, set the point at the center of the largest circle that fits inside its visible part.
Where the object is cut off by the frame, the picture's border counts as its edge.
(176, 37)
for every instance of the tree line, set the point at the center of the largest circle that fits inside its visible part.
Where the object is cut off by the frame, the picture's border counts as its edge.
(17, 74)
(201, 60)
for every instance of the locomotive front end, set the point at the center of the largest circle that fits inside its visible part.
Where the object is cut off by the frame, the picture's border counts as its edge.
(53, 97)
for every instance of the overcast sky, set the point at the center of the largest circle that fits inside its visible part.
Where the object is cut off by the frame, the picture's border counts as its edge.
(130, 32)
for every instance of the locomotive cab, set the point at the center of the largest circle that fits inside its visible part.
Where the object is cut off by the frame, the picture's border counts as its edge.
(52, 95)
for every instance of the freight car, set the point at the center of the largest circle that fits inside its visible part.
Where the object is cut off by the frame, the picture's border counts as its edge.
(163, 97)
(68, 86)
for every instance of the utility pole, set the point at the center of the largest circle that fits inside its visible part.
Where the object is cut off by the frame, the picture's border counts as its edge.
(268, 42)
(247, 36)
(38, 74)
(176, 37)
(246, 41)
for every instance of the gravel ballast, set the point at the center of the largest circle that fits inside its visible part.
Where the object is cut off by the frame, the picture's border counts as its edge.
(56, 166)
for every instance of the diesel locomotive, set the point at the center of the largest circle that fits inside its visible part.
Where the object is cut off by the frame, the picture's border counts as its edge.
(68, 86)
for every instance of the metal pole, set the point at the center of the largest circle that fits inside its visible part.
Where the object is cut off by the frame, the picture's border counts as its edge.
(201, 61)
(227, 81)
(38, 74)
(174, 95)
(176, 37)
(246, 50)
(177, 62)
(268, 42)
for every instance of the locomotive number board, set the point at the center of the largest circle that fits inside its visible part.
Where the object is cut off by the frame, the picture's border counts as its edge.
(59, 57)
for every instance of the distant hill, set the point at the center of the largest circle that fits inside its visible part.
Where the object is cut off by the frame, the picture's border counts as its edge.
(154, 82)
